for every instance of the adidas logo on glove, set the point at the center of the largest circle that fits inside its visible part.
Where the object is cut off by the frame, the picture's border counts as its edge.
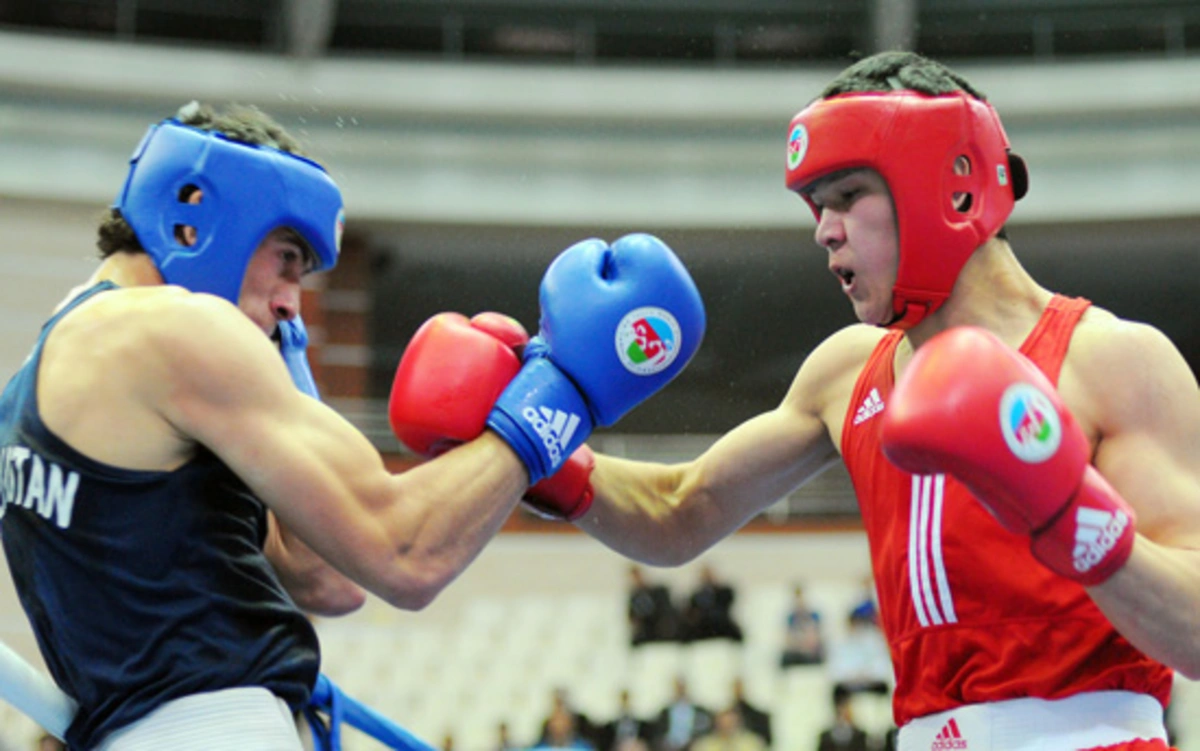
(1096, 534)
(554, 427)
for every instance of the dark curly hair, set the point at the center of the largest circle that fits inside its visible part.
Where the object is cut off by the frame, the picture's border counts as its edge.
(899, 71)
(239, 122)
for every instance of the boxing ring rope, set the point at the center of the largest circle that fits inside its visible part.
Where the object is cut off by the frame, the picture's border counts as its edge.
(33, 694)
(340, 708)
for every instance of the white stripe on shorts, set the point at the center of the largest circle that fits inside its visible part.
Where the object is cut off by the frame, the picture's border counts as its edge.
(245, 719)
(1089, 720)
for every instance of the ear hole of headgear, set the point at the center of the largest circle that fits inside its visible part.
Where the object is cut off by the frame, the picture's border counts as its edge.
(185, 234)
(1019, 175)
(962, 200)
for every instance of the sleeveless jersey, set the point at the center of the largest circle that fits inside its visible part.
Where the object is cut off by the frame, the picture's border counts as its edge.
(141, 587)
(970, 616)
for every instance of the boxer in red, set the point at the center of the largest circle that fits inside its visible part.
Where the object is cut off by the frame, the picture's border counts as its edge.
(1027, 464)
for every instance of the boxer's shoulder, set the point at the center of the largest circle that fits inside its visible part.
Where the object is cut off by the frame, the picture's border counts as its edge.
(826, 380)
(842, 355)
(128, 356)
(1104, 349)
(104, 366)
(135, 332)
(1110, 359)
(133, 312)
(852, 345)
(1102, 339)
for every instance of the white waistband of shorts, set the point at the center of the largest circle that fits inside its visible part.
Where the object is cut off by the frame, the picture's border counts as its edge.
(247, 719)
(1098, 718)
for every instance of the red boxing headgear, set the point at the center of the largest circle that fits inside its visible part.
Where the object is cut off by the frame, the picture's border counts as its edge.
(913, 141)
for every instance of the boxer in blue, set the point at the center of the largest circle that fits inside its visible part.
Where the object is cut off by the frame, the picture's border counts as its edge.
(170, 501)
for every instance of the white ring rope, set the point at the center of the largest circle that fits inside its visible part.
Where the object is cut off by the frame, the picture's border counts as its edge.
(33, 693)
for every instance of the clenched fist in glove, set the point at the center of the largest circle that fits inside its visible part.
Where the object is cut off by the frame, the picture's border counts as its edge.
(617, 324)
(449, 377)
(972, 407)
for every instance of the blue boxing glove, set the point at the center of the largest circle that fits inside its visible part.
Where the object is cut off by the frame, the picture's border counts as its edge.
(293, 345)
(617, 324)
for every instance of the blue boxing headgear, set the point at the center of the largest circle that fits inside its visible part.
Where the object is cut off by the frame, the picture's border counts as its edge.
(248, 191)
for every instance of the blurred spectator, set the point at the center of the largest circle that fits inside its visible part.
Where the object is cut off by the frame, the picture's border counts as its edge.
(652, 615)
(47, 742)
(843, 735)
(582, 726)
(632, 744)
(709, 610)
(503, 740)
(728, 734)
(753, 719)
(1170, 712)
(561, 732)
(680, 722)
(624, 727)
(865, 608)
(803, 642)
(859, 660)
(891, 739)
(448, 742)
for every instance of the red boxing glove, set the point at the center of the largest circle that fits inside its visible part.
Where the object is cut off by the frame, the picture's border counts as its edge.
(505, 328)
(970, 406)
(449, 377)
(566, 494)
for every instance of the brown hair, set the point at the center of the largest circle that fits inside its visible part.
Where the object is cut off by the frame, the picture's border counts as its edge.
(240, 122)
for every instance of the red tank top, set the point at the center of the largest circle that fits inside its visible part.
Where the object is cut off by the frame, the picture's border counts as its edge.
(970, 616)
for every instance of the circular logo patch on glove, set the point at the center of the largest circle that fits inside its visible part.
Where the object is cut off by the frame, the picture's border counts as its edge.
(1029, 423)
(647, 340)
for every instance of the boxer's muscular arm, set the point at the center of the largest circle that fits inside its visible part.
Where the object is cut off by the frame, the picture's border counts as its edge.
(402, 537)
(667, 515)
(1138, 392)
(313, 584)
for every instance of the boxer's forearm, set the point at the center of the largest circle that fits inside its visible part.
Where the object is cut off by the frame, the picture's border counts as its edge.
(1154, 602)
(314, 585)
(638, 511)
(663, 515)
(667, 515)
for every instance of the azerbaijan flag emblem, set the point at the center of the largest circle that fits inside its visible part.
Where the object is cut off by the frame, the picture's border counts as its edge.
(647, 340)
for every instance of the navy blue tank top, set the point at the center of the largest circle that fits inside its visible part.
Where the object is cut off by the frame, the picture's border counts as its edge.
(141, 587)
